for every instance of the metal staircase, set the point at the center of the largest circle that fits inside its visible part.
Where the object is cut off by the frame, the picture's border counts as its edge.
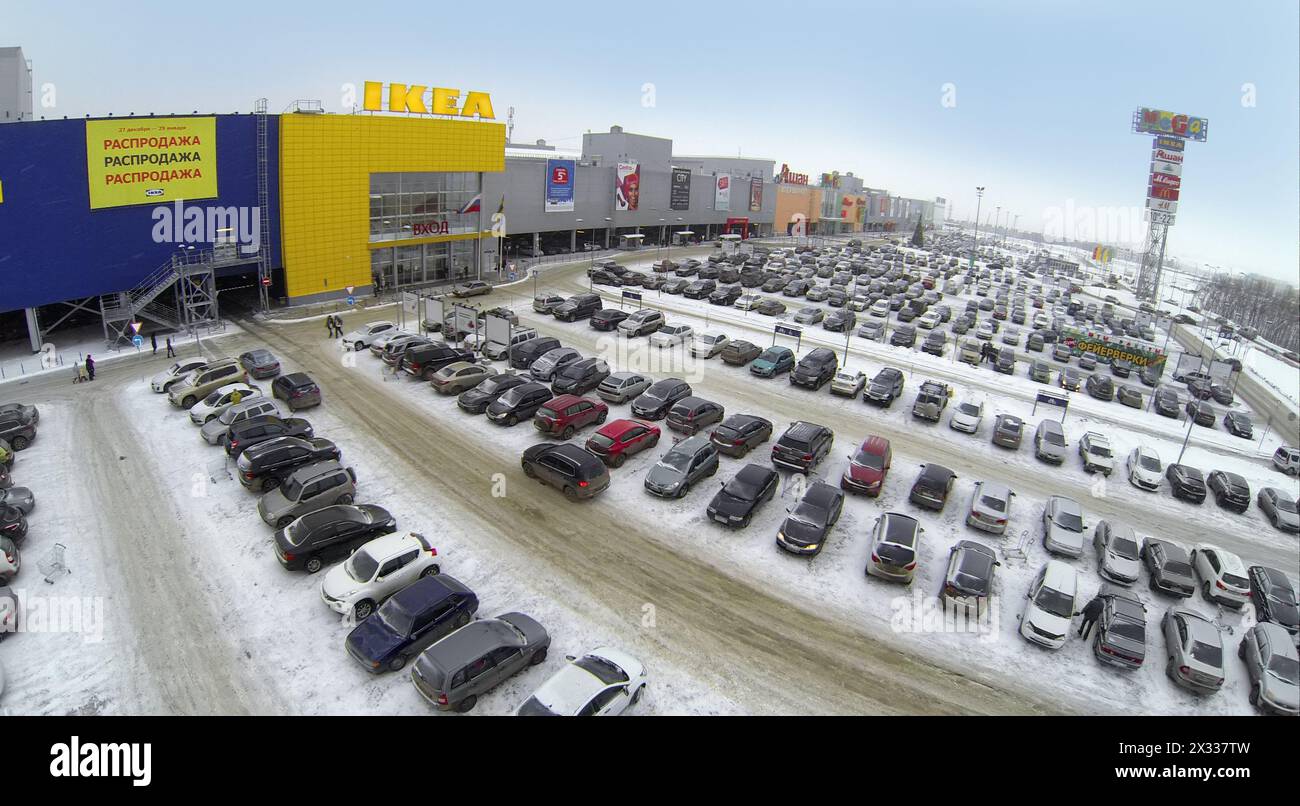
(189, 274)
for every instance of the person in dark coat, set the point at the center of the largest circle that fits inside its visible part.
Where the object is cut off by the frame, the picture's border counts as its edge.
(153, 342)
(171, 351)
(1091, 612)
(90, 367)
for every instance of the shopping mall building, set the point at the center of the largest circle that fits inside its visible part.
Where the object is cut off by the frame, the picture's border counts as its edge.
(150, 217)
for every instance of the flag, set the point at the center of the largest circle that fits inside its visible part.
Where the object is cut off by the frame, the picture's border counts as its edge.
(472, 206)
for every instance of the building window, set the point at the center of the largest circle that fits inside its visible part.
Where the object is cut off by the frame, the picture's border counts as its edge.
(419, 205)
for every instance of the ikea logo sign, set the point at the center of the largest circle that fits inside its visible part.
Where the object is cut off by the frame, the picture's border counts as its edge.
(421, 99)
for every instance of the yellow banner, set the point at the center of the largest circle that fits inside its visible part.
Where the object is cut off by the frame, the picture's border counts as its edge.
(150, 160)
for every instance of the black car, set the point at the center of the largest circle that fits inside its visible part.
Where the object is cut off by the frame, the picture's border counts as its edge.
(574, 471)
(425, 361)
(607, 319)
(840, 321)
(1238, 425)
(1273, 598)
(1005, 361)
(770, 307)
(1170, 568)
(935, 342)
(1200, 388)
(580, 306)
(931, 488)
(266, 465)
(675, 286)
(700, 289)
(1150, 375)
(885, 387)
(1201, 413)
(245, 434)
(1129, 395)
(13, 524)
(519, 403)
(580, 377)
(740, 433)
(477, 400)
(738, 500)
(815, 369)
(805, 528)
(603, 277)
(655, 402)
(1186, 482)
(903, 336)
(330, 534)
(1221, 394)
(1229, 489)
(297, 390)
(412, 619)
(1166, 402)
(525, 353)
(690, 414)
(739, 352)
(1100, 387)
(1121, 368)
(725, 296)
(802, 446)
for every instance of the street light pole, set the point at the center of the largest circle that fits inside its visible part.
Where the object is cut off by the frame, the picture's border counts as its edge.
(979, 199)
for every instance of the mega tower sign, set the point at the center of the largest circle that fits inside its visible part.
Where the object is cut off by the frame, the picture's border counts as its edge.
(1164, 184)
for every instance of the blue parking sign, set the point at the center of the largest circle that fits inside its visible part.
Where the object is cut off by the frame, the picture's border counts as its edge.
(138, 340)
(352, 300)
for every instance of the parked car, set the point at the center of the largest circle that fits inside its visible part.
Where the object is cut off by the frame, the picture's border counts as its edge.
(546, 302)
(551, 363)
(13, 524)
(772, 362)
(684, 464)
(454, 672)
(1238, 424)
(307, 489)
(671, 336)
(297, 390)
(1094, 450)
(885, 388)
(1223, 576)
(165, 380)
(848, 383)
(488, 390)
(580, 377)
(968, 582)
(619, 439)
(563, 415)
(330, 533)
(1051, 602)
(1194, 648)
(1230, 490)
(802, 446)
(579, 306)
(1144, 469)
(990, 507)
(1274, 598)
(1008, 430)
(659, 397)
(815, 369)
(967, 416)
(216, 403)
(19, 498)
(205, 380)
(460, 376)
(217, 430)
(268, 464)
(932, 486)
(1100, 387)
(1129, 396)
(1118, 552)
(1201, 413)
(1186, 482)
(416, 617)
(1063, 526)
(895, 540)
(361, 338)
(260, 363)
(496, 351)
(621, 387)
(574, 471)
(805, 529)
(1279, 509)
(425, 360)
(604, 682)
(523, 356)
(1169, 567)
(1121, 636)
(742, 496)
(1273, 667)
(738, 352)
(518, 403)
(11, 562)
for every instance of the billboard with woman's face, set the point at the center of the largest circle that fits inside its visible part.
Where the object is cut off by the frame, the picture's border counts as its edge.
(627, 187)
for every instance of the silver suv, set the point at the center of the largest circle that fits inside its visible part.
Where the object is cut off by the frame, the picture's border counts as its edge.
(456, 671)
(685, 463)
(1049, 442)
(308, 489)
(214, 431)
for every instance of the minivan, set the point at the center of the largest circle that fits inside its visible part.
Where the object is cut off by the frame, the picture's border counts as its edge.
(454, 672)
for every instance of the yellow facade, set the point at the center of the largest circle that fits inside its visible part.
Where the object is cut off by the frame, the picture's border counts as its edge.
(325, 167)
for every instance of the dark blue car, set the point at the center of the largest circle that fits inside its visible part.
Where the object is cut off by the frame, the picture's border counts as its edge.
(417, 616)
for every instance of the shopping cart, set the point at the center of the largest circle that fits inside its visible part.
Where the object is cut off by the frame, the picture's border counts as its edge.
(52, 565)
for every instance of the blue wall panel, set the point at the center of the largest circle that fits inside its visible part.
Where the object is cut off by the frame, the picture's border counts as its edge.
(53, 247)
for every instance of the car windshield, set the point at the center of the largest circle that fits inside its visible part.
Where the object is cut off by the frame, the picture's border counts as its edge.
(1070, 521)
(1150, 463)
(1124, 547)
(739, 488)
(1284, 505)
(771, 355)
(1284, 668)
(211, 400)
(1207, 653)
(808, 514)
(533, 707)
(493, 384)
(1053, 438)
(677, 460)
(1099, 450)
(970, 409)
(1054, 602)
(361, 566)
(975, 572)
(994, 504)
(1234, 581)
(869, 460)
(396, 618)
(548, 414)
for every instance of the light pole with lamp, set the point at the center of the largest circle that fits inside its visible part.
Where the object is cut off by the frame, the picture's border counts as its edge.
(979, 199)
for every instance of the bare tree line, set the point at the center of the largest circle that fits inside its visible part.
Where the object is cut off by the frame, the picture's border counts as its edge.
(1269, 306)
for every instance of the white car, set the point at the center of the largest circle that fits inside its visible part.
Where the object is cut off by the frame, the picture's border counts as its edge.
(848, 382)
(603, 682)
(707, 345)
(1118, 552)
(928, 320)
(967, 416)
(747, 302)
(365, 335)
(1144, 469)
(985, 332)
(162, 382)
(376, 571)
(671, 335)
(879, 308)
(380, 342)
(217, 402)
(1223, 576)
(1052, 596)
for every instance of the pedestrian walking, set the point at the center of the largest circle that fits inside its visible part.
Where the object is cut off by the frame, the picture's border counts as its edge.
(338, 326)
(90, 367)
(329, 326)
(1091, 612)
(171, 351)
(153, 342)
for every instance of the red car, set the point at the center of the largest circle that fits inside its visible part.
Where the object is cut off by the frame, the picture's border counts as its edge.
(616, 441)
(868, 467)
(561, 416)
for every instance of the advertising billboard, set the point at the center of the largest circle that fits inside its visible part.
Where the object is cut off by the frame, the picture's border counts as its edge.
(755, 195)
(1170, 143)
(1159, 121)
(1111, 348)
(627, 186)
(150, 161)
(679, 192)
(559, 186)
(722, 192)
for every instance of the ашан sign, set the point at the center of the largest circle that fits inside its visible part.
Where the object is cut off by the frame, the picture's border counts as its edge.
(420, 99)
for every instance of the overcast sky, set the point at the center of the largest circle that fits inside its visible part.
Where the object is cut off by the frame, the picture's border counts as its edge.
(1032, 100)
